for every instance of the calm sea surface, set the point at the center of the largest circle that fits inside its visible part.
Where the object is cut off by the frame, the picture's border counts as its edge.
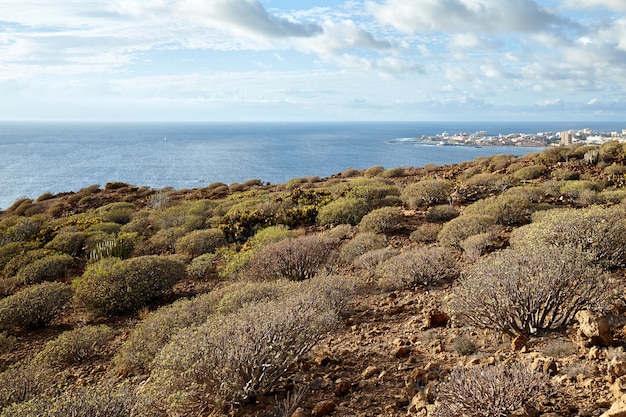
(55, 157)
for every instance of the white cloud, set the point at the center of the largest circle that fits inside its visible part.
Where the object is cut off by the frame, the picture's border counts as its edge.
(617, 5)
(451, 16)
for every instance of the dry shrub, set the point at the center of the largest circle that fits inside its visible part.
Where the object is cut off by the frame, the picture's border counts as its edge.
(596, 230)
(477, 245)
(370, 260)
(199, 242)
(488, 391)
(423, 266)
(482, 185)
(74, 346)
(296, 259)
(441, 213)
(563, 174)
(230, 359)
(7, 342)
(97, 401)
(137, 353)
(48, 268)
(426, 192)
(360, 244)
(426, 233)
(373, 171)
(457, 230)
(201, 266)
(382, 220)
(34, 306)
(528, 290)
(113, 286)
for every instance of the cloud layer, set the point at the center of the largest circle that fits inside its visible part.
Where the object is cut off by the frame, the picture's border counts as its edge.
(384, 59)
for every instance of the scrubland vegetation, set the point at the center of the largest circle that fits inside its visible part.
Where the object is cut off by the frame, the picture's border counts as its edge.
(462, 290)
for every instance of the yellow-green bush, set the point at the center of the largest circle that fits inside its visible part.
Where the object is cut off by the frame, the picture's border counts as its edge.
(530, 172)
(507, 209)
(68, 242)
(441, 213)
(19, 261)
(48, 268)
(426, 193)
(113, 286)
(382, 220)
(199, 242)
(34, 306)
(457, 230)
(598, 231)
(343, 211)
(201, 266)
(120, 212)
(74, 346)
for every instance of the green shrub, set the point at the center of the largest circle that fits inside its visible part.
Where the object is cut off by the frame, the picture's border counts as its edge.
(360, 244)
(574, 190)
(441, 213)
(564, 174)
(426, 192)
(74, 346)
(418, 267)
(528, 290)
(295, 259)
(373, 171)
(393, 172)
(113, 286)
(343, 211)
(14, 249)
(137, 353)
(233, 358)
(21, 260)
(507, 209)
(615, 169)
(22, 382)
(426, 233)
(199, 242)
(457, 230)
(382, 220)
(530, 172)
(120, 212)
(599, 231)
(201, 266)
(477, 245)
(68, 242)
(34, 306)
(48, 268)
(487, 390)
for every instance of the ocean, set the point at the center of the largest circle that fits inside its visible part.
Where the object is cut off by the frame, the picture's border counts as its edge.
(40, 157)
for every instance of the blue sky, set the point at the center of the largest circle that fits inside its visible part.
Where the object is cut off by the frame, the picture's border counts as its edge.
(272, 60)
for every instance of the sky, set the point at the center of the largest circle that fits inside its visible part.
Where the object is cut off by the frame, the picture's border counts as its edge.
(328, 60)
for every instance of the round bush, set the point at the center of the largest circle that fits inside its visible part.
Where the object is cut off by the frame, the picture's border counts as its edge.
(48, 268)
(526, 290)
(68, 242)
(530, 172)
(457, 230)
(426, 192)
(113, 286)
(74, 346)
(199, 242)
(596, 230)
(441, 213)
(426, 233)
(344, 210)
(34, 306)
(294, 259)
(382, 220)
(360, 244)
(423, 266)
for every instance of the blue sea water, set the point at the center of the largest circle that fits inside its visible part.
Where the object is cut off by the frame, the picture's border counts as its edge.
(56, 157)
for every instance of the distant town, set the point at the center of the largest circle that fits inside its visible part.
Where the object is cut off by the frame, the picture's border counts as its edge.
(481, 138)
